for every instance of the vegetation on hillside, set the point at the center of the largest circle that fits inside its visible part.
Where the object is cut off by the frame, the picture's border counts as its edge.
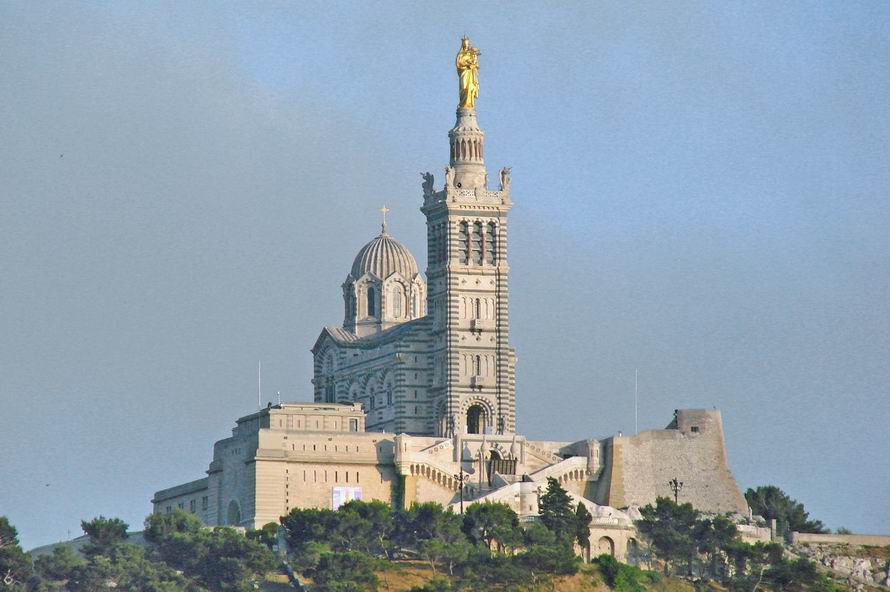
(772, 503)
(484, 549)
(180, 556)
(362, 545)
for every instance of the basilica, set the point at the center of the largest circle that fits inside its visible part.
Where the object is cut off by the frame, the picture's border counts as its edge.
(414, 394)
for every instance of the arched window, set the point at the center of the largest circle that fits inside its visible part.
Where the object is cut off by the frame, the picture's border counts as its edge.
(397, 299)
(350, 307)
(372, 301)
(475, 419)
(477, 309)
(462, 244)
(476, 243)
(491, 243)
(477, 365)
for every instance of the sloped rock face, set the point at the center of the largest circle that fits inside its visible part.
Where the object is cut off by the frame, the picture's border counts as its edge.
(851, 565)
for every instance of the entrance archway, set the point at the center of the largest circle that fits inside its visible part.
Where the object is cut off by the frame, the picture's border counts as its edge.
(475, 419)
(493, 465)
(605, 546)
(633, 552)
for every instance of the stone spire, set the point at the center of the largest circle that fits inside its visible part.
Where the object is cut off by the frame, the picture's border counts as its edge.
(467, 142)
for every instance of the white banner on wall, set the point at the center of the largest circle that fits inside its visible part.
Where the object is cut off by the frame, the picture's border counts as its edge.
(341, 495)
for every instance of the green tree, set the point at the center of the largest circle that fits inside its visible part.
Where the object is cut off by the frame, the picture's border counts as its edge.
(125, 567)
(542, 562)
(433, 534)
(712, 536)
(556, 511)
(15, 564)
(772, 503)
(304, 526)
(538, 534)
(161, 526)
(365, 526)
(218, 559)
(344, 572)
(492, 525)
(104, 534)
(669, 527)
(58, 566)
(750, 562)
(583, 518)
(797, 576)
(619, 576)
(267, 535)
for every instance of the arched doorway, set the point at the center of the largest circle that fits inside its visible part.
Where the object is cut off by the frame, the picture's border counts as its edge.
(605, 546)
(233, 516)
(633, 552)
(475, 419)
(493, 457)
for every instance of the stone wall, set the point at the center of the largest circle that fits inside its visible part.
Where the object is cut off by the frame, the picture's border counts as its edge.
(809, 538)
(690, 449)
(191, 496)
(301, 470)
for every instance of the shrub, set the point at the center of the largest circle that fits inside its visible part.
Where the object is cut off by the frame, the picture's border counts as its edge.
(620, 576)
(352, 571)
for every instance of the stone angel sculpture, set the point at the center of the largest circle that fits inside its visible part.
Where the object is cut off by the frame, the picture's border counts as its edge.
(449, 177)
(427, 183)
(505, 178)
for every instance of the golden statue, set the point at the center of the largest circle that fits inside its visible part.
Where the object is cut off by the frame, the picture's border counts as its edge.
(467, 62)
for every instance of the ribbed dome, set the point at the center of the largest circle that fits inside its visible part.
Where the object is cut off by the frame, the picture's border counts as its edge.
(384, 256)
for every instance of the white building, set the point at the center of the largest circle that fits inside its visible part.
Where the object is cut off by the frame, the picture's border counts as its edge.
(418, 385)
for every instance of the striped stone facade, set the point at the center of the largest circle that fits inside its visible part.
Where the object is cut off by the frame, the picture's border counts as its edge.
(446, 367)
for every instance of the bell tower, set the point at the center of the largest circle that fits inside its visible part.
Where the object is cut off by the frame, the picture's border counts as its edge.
(473, 386)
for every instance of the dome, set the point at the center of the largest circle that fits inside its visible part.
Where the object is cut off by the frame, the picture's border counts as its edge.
(383, 257)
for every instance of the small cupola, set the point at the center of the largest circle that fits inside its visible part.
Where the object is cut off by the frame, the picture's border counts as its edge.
(384, 287)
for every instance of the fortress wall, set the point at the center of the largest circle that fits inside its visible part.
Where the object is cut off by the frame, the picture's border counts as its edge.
(301, 470)
(861, 540)
(283, 486)
(690, 450)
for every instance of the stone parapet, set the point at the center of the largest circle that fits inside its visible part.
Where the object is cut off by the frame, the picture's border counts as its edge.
(861, 540)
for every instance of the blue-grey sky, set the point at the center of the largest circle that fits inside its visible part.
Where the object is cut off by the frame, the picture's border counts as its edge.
(702, 192)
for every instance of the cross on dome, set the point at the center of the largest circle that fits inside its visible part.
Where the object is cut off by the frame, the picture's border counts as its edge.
(383, 211)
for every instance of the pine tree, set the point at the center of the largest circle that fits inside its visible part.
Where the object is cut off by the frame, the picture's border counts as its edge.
(556, 512)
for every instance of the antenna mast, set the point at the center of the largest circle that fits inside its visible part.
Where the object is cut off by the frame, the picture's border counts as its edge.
(636, 407)
(259, 384)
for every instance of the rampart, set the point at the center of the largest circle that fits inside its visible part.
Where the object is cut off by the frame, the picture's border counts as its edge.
(691, 450)
(860, 540)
